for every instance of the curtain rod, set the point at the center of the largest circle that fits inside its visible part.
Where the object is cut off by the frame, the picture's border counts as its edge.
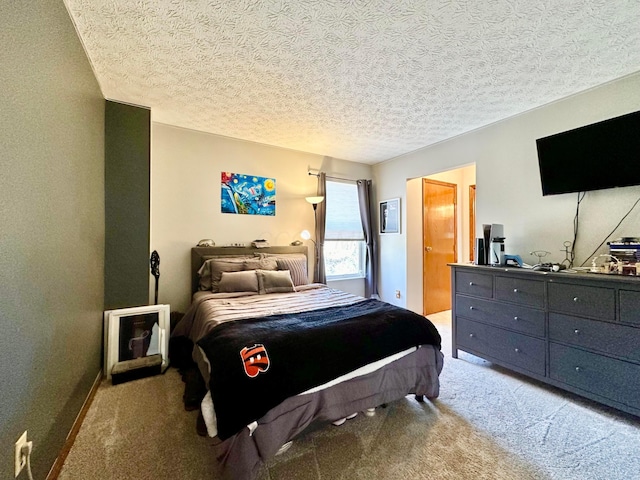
(334, 178)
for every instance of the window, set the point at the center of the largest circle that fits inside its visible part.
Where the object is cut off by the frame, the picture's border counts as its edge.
(344, 248)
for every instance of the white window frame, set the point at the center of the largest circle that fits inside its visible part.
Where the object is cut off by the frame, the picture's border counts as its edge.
(361, 258)
(362, 262)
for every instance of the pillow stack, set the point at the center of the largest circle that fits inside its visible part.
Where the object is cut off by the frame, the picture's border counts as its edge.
(211, 271)
(265, 273)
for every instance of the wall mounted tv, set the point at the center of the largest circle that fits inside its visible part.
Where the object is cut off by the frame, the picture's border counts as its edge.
(602, 155)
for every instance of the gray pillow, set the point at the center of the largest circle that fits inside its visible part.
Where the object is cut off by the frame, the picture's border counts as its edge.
(204, 275)
(274, 281)
(245, 281)
(219, 265)
(211, 270)
(297, 266)
(261, 264)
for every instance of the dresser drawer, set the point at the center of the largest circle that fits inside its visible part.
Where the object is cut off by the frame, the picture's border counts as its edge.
(511, 348)
(611, 338)
(630, 307)
(604, 376)
(594, 302)
(471, 283)
(518, 290)
(514, 317)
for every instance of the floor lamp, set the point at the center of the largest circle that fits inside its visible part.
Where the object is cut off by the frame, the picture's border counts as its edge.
(314, 201)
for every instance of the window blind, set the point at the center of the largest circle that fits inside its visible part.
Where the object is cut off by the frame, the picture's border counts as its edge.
(343, 212)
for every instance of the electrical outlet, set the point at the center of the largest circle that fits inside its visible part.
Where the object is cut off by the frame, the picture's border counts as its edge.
(21, 460)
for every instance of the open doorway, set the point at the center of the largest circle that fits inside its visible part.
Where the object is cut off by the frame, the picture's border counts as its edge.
(463, 178)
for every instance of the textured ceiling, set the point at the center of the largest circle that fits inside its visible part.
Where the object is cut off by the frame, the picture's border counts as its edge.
(353, 79)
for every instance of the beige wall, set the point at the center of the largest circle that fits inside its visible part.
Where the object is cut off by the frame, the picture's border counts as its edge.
(508, 184)
(462, 177)
(185, 199)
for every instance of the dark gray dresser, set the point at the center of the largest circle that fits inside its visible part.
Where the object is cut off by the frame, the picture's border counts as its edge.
(577, 331)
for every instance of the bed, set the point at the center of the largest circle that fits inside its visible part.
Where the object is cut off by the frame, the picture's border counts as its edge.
(277, 353)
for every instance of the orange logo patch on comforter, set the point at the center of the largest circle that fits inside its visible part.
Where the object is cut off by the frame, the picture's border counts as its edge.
(255, 359)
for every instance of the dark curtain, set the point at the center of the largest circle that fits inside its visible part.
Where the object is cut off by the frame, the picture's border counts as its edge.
(319, 275)
(370, 239)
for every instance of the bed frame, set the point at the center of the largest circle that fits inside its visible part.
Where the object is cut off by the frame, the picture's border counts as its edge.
(244, 454)
(201, 254)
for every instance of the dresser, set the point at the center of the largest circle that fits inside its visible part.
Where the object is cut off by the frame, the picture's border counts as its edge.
(576, 331)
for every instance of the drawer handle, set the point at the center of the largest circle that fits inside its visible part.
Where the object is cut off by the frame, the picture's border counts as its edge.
(517, 350)
(516, 318)
(471, 284)
(471, 307)
(578, 369)
(576, 331)
(471, 335)
(515, 290)
(575, 299)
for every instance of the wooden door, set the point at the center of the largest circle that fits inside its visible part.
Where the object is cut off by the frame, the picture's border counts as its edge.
(439, 243)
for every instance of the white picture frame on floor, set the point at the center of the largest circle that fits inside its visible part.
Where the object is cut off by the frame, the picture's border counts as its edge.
(135, 332)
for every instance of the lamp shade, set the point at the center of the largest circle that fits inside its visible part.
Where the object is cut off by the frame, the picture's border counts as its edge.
(314, 200)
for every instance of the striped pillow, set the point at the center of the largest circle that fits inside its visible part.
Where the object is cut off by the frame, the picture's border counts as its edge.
(297, 266)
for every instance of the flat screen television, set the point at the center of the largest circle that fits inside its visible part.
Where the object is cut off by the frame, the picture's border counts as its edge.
(601, 155)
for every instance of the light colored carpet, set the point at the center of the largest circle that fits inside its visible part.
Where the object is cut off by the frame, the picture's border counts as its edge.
(488, 423)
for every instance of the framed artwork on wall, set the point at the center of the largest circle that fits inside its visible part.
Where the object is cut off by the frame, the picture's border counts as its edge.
(389, 211)
(247, 194)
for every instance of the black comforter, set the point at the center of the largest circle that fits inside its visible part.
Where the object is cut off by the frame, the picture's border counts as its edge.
(257, 363)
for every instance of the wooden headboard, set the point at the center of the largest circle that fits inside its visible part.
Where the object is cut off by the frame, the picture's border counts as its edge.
(200, 254)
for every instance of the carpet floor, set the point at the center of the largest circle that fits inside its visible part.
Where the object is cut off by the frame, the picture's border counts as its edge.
(488, 423)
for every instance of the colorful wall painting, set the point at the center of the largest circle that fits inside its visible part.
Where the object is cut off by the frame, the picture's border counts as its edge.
(248, 194)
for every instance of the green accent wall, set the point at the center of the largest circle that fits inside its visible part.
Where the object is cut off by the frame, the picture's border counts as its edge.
(127, 200)
(52, 224)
